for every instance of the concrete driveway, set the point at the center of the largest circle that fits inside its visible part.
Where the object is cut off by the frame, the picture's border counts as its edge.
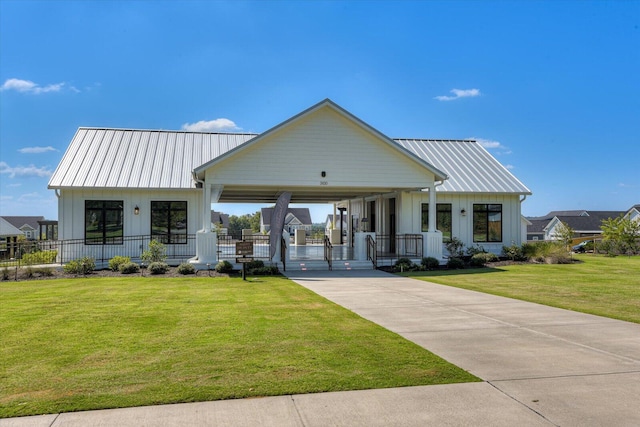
(568, 368)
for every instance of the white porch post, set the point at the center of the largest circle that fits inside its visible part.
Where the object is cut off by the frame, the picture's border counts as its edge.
(432, 245)
(206, 238)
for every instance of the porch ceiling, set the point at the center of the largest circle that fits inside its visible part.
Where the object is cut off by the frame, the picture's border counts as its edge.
(269, 194)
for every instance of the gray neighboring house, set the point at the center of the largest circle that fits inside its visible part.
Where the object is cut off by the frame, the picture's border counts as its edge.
(220, 222)
(584, 223)
(28, 225)
(8, 238)
(296, 219)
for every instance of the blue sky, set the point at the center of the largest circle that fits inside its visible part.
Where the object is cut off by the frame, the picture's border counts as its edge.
(552, 89)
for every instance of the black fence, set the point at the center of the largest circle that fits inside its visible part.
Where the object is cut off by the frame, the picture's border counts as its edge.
(398, 246)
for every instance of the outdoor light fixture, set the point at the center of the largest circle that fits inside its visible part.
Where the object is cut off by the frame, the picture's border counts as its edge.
(136, 210)
(463, 212)
(323, 174)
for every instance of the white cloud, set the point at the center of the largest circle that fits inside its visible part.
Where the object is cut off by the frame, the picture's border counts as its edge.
(459, 93)
(30, 170)
(17, 184)
(27, 86)
(509, 167)
(217, 125)
(488, 143)
(36, 150)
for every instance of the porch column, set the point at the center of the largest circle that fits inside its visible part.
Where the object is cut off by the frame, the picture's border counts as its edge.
(206, 239)
(433, 242)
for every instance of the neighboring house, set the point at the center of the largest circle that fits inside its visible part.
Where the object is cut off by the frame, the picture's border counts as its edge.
(113, 183)
(332, 224)
(220, 222)
(633, 213)
(296, 219)
(29, 225)
(8, 238)
(585, 223)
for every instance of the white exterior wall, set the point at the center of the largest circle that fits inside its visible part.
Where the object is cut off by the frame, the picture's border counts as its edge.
(350, 157)
(71, 209)
(410, 214)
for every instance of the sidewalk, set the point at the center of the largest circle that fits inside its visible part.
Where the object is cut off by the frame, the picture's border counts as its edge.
(542, 366)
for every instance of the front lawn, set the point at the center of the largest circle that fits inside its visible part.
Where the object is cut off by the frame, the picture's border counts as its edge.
(598, 285)
(90, 343)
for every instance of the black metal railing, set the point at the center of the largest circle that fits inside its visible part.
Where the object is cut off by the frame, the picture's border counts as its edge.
(227, 246)
(328, 252)
(63, 251)
(398, 246)
(372, 253)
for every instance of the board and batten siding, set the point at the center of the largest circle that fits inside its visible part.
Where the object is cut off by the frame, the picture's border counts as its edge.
(71, 209)
(350, 157)
(462, 225)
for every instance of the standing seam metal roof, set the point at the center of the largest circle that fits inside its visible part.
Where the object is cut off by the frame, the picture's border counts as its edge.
(132, 158)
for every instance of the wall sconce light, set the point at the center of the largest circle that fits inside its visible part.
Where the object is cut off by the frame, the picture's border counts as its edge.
(463, 212)
(323, 174)
(136, 210)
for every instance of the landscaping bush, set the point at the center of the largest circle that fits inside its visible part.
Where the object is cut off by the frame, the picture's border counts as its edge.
(265, 271)
(455, 263)
(157, 252)
(481, 259)
(186, 268)
(405, 264)
(158, 268)
(514, 253)
(429, 263)
(5, 273)
(129, 268)
(84, 265)
(43, 271)
(455, 247)
(224, 267)
(477, 249)
(255, 264)
(41, 257)
(116, 261)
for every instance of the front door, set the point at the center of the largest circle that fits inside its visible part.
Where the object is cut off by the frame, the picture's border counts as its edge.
(392, 225)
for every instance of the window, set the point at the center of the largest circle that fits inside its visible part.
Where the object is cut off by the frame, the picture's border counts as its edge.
(487, 223)
(169, 222)
(443, 219)
(103, 222)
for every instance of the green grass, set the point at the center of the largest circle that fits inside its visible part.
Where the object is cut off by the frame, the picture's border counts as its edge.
(90, 343)
(598, 285)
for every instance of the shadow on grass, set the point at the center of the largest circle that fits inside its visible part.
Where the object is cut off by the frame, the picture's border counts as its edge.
(437, 273)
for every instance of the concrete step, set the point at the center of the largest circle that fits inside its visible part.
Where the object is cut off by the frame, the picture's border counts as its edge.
(295, 265)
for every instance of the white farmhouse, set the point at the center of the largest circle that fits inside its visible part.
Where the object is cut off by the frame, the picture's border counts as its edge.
(397, 193)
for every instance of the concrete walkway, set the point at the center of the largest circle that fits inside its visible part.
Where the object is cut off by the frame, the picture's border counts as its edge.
(542, 367)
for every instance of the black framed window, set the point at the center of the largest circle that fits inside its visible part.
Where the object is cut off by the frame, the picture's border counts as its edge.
(443, 219)
(103, 223)
(487, 223)
(169, 222)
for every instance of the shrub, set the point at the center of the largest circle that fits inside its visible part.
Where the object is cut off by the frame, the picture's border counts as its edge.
(84, 265)
(480, 259)
(405, 264)
(157, 252)
(44, 271)
(42, 257)
(116, 261)
(266, 271)
(513, 252)
(430, 263)
(186, 268)
(455, 263)
(158, 268)
(455, 247)
(224, 267)
(5, 273)
(129, 268)
(477, 249)
(255, 264)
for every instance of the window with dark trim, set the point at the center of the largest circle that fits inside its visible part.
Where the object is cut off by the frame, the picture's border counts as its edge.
(169, 222)
(103, 223)
(487, 223)
(443, 219)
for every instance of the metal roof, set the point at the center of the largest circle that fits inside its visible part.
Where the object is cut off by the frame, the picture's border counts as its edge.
(471, 169)
(132, 158)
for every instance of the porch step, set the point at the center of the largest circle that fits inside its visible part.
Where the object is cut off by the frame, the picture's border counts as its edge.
(316, 265)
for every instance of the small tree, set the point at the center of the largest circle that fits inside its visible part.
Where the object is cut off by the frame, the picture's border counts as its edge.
(565, 234)
(622, 232)
(157, 252)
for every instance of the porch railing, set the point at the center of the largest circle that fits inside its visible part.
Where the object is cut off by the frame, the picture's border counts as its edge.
(328, 252)
(227, 246)
(38, 252)
(372, 253)
(398, 246)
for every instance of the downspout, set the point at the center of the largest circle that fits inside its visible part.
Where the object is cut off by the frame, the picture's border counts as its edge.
(194, 176)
